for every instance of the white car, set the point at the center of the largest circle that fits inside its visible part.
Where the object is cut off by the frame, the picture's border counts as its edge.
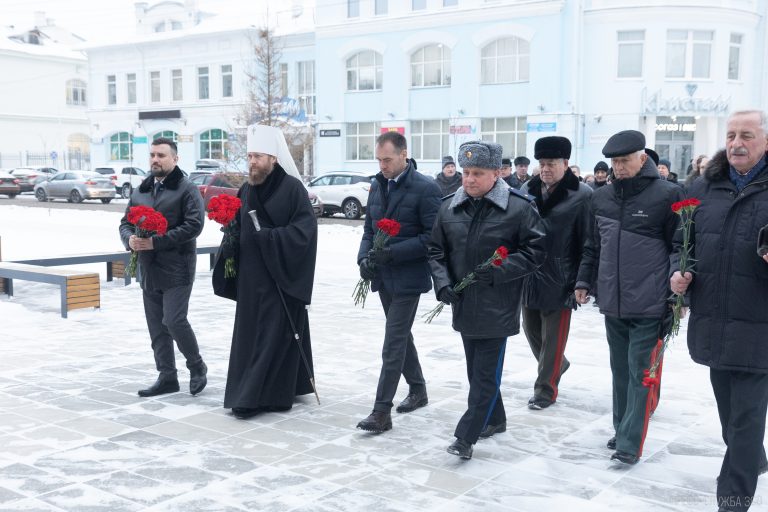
(345, 192)
(125, 179)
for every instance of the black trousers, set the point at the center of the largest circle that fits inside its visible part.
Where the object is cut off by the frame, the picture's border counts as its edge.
(485, 363)
(742, 399)
(398, 356)
(166, 313)
(547, 334)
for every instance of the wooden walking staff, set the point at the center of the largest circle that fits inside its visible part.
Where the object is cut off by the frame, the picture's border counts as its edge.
(296, 336)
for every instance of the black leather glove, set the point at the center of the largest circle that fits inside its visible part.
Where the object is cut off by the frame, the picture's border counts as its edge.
(381, 256)
(448, 295)
(484, 275)
(367, 270)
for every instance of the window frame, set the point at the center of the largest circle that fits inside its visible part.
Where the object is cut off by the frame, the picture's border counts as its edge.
(76, 92)
(690, 46)
(210, 141)
(520, 133)
(738, 47)
(377, 70)
(203, 78)
(522, 61)
(121, 146)
(227, 82)
(177, 80)
(305, 76)
(419, 135)
(111, 89)
(627, 44)
(444, 64)
(357, 136)
(154, 87)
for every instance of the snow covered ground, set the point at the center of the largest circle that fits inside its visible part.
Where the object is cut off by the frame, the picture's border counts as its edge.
(75, 437)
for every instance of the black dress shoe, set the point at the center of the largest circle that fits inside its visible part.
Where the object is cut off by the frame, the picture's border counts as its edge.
(413, 401)
(625, 458)
(243, 413)
(611, 444)
(376, 422)
(197, 378)
(164, 384)
(489, 430)
(461, 448)
(537, 404)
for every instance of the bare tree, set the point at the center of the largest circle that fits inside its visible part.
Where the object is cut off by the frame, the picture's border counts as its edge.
(266, 102)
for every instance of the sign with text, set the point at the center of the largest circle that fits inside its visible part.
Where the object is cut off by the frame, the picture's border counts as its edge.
(542, 127)
(184, 138)
(398, 129)
(460, 129)
(330, 133)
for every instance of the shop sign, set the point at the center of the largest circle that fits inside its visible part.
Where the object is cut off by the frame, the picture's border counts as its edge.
(398, 129)
(676, 127)
(657, 104)
(460, 129)
(330, 133)
(542, 127)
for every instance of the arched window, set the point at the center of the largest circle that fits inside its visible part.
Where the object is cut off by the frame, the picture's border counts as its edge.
(76, 92)
(168, 134)
(364, 71)
(431, 66)
(120, 146)
(213, 144)
(505, 61)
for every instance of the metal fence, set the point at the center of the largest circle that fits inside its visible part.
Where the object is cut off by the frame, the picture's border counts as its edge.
(74, 159)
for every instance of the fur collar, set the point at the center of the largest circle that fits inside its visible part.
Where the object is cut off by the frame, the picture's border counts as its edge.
(718, 169)
(498, 195)
(569, 182)
(171, 182)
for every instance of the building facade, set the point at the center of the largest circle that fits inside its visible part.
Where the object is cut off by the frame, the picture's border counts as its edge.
(185, 76)
(445, 71)
(43, 97)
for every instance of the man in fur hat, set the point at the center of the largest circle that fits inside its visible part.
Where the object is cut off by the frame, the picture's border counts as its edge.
(448, 179)
(548, 297)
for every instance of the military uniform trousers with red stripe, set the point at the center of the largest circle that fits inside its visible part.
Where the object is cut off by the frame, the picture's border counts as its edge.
(632, 343)
(547, 334)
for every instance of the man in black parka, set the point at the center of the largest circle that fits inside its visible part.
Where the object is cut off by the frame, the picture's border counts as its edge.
(728, 292)
(484, 214)
(628, 259)
(275, 275)
(548, 296)
(167, 266)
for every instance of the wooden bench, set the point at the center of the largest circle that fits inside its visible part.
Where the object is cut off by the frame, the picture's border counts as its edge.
(116, 262)
(78, 289)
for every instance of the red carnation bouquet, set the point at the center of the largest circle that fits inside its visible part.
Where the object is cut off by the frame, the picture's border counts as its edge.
(496, 259)
(224, 209)
(685, 210)
(147, 222)
(387, 228)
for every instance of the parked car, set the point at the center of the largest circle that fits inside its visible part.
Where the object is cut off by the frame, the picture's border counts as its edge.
(345, 192)
(75, 186)
(124, 180)
(202, 181)
(230, 182)
(30, 176)
(9, 185)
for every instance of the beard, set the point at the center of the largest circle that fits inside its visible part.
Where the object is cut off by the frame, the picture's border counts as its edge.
(258, 174)
(159, 172)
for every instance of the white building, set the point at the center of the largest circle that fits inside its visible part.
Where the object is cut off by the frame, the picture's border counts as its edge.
(184, 76)
(42, 97)
(445, 71)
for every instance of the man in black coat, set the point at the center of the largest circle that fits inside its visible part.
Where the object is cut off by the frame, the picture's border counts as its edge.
(448, 179)
(482, 216)
(628, 259)
(729, 299)
(548, 298)
(399, 271)
(601, 175)
(167, 266)
(520, 176)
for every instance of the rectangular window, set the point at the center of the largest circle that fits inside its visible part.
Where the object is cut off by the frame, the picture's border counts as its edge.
(450, 3)
(734, 57)
(418, 5)
(353, 8)
(177, 86)
(130, 87)
(510, 132)
(630, 63)
(429, 139)
(381, 7)
(283, 79)
(111, 90)
(306, 77)
(361, 138)
(154, 86)
(689, 53)
(226, 81)
(203, 90)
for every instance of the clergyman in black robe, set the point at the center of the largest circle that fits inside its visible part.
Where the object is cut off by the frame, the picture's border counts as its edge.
(266, 370)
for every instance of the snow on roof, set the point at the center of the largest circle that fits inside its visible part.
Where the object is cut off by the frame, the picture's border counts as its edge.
(13, 40)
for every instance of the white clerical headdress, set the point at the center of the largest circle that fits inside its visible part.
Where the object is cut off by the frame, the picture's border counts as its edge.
(271, 141)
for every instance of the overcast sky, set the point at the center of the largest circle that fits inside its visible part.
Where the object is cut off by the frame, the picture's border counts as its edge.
(99, 19)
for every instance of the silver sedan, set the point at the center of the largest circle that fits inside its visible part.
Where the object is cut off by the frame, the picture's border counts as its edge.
(75, 186)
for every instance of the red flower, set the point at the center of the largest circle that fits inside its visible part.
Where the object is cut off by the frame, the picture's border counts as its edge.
(154, 222)
(649, 381)
(135, 213)
(676, 207)
(223, 208)
(389, 226)
(693, 202)
(685, 203)
(499, 256)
